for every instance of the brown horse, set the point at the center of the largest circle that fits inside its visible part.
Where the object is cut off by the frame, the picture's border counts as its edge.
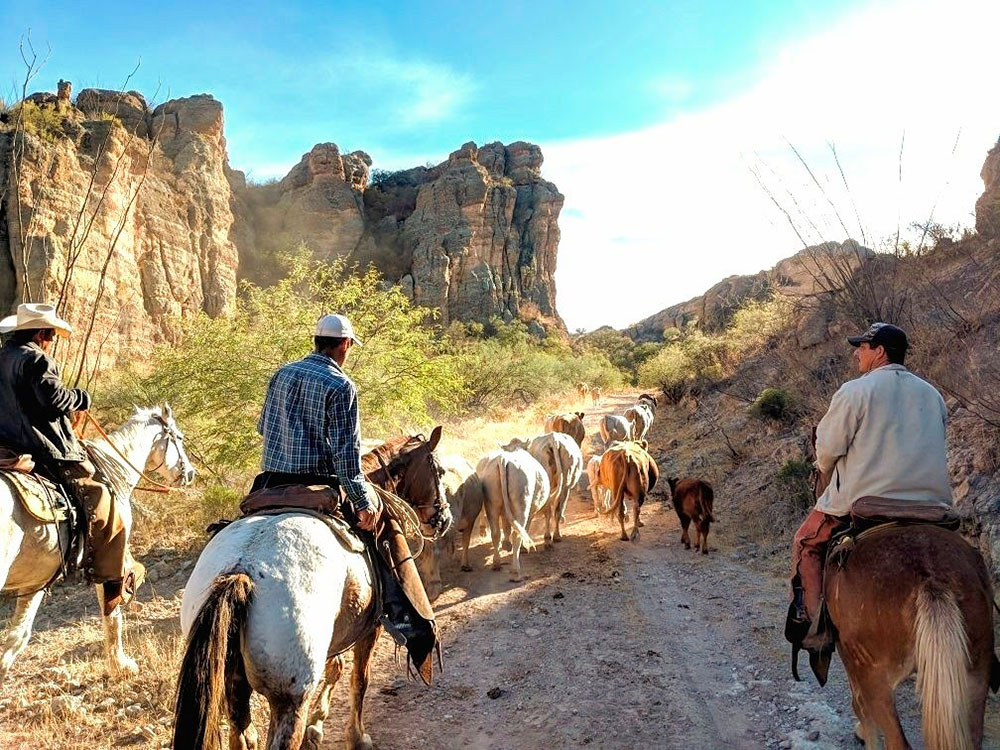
(272, 606)
(912, 598)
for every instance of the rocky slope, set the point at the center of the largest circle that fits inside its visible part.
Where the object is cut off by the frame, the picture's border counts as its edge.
(166, 225)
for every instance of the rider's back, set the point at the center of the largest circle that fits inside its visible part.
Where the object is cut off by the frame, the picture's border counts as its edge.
(894, 423)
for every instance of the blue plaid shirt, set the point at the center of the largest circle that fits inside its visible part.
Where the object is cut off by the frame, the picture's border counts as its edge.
(310, 424)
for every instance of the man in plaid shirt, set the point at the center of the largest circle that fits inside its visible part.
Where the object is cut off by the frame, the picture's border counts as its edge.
(310, 421)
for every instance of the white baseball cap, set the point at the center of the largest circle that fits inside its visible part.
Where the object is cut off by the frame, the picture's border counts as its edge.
(336, 327)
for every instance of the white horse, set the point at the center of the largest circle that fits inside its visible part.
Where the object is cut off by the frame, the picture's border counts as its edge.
(273, 604)
(30, 551)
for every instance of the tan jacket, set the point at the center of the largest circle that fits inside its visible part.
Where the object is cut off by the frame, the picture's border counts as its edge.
(883, 435)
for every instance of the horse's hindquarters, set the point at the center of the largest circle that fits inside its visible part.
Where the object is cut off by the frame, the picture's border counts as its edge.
(915, 598)
(310, 595)
(30, 551)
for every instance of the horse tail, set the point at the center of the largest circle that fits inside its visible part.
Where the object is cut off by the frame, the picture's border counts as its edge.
(213, 646)
(619, 496)
(942, 655)
(516, 529)
(557, 465)
(604, 430)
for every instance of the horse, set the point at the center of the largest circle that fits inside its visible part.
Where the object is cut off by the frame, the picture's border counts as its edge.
(273, 604)
(912, 598)
(31, 551)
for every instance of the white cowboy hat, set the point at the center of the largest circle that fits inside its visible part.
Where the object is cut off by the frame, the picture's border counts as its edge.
(33, 315)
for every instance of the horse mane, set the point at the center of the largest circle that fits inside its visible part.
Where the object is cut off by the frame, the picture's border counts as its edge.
(389, 451)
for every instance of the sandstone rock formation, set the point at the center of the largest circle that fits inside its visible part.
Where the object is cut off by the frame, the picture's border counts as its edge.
(141, 225)
(475, 236)
(143, 209)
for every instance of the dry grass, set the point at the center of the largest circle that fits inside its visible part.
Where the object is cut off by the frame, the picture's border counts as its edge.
(59, 694)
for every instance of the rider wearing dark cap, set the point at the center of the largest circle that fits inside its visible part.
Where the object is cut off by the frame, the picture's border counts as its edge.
(883, 436)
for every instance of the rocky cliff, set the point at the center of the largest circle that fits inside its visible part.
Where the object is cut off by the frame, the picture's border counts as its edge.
(120, 212)
(475, 236)
(132, 216)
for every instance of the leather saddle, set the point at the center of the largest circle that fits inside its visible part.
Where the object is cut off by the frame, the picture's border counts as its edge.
(867, 514)
(400, 590)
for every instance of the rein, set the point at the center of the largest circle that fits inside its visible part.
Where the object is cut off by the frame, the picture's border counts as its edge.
(158, 487)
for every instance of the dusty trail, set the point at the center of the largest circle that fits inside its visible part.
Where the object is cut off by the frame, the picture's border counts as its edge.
(607, 644)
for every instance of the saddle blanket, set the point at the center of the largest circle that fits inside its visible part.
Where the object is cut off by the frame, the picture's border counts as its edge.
(39, 497)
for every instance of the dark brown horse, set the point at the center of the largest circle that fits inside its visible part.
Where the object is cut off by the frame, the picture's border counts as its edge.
(913, 598)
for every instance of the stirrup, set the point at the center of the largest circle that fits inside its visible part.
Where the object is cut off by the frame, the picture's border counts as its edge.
(394, 632)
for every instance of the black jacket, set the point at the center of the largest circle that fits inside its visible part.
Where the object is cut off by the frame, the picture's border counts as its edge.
(35, 405)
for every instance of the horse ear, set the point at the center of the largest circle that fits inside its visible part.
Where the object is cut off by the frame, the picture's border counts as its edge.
(580, 414)
(435, 437)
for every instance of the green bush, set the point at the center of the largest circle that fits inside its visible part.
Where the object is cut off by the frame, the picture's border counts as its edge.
(216, 377)
(773, 403)
(794, 483)
(45, 122)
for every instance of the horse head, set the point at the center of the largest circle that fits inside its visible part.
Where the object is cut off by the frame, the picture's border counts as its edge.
(412, 471)
(167, 456)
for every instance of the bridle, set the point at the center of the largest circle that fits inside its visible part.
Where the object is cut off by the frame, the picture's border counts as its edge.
(440, 518)
(173, 434)
(176, 438)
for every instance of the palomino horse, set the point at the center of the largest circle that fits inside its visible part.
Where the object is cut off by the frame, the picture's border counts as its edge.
(274, 603)
(913, 598)
(30, 551)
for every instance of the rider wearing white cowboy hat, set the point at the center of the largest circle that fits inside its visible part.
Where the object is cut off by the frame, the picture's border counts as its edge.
(35, 418)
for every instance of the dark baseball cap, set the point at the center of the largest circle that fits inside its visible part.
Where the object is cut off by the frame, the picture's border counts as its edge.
(893, 338)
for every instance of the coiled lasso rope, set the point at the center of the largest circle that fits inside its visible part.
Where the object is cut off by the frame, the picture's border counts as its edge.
(403, 514)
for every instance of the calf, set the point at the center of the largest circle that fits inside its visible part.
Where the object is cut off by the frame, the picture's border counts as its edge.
(595, 395)
(600, 495)
(693, 500)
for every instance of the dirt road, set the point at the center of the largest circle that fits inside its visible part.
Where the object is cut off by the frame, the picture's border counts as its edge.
(607, 644)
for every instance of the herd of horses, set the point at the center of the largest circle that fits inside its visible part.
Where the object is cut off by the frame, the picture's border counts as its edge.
(275, 601)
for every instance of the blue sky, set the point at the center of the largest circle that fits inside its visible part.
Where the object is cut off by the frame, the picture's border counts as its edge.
(654, 99)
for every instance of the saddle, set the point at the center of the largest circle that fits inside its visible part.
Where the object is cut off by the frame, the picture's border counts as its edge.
(870, 513)
(867, 515)
(399, 589)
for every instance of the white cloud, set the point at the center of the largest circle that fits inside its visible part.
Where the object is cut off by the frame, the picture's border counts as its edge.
(418, 92)
(656, 216)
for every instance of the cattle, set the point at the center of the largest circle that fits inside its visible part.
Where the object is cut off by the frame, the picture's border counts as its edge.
(562, 460)
(601, 496)
(595, 395)
(614, 427)
(693, 500)
(464, 493)
(570, 423)
(582, 389)
(641, 418)
(515, 487)
(649, 400)
(627, 471)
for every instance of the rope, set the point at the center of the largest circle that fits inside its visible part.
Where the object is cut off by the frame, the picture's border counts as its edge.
(403, 514)
(158, 486)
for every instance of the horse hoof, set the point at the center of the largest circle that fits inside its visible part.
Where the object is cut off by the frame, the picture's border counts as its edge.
(468, 568)
(363, 743)
(624, 537)
(516, 578)
(641, 524)
(125, 669)
(557, 539)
